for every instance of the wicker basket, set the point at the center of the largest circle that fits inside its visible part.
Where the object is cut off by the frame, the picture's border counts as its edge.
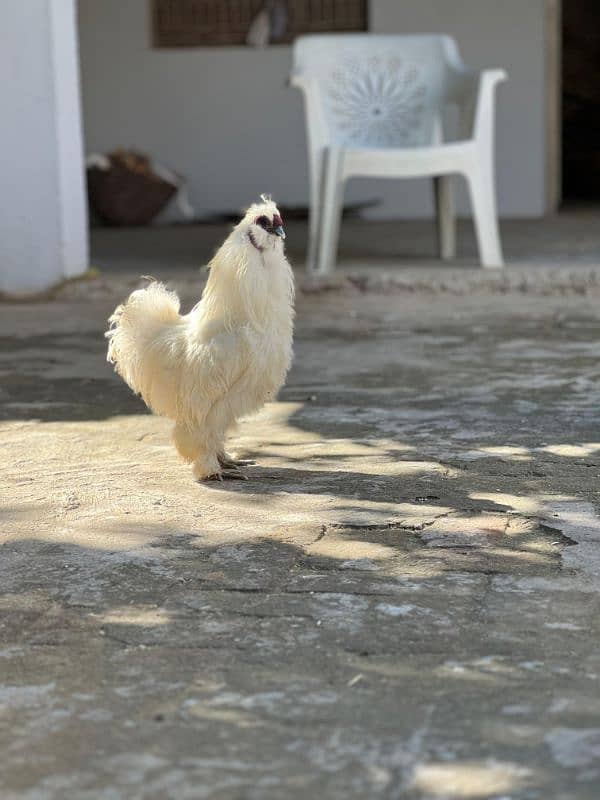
(128, 192)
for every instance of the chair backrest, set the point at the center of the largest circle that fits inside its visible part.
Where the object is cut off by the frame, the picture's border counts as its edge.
(376, 90)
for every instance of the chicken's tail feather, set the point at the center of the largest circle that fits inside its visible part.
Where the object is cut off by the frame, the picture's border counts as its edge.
(135, 327)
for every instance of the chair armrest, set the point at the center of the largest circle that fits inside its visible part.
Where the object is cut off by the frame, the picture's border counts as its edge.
(476, 101)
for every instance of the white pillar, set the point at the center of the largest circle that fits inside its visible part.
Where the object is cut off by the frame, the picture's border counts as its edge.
(43, 208)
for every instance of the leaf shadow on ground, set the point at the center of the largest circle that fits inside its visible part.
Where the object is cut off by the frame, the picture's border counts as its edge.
(261, 635)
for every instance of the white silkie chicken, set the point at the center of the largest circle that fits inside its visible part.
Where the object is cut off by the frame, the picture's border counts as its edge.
(223, 360)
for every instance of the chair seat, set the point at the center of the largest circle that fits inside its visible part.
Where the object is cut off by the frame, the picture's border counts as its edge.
(406, 162)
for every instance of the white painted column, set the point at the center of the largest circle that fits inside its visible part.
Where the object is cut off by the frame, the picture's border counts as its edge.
(43, 208)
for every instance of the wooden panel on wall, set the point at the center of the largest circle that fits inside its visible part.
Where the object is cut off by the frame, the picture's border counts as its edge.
(210, 23)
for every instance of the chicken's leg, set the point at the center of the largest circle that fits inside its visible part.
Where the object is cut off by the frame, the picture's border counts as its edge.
(195, 447)
(229, 462)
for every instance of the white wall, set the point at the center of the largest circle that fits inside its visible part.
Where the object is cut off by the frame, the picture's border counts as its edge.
(224, 117)
(43, 224)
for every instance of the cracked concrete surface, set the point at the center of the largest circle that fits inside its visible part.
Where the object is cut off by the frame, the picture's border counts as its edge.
(401, 602)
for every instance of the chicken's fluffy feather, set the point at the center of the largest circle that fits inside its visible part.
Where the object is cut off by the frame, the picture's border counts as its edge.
(223, 360)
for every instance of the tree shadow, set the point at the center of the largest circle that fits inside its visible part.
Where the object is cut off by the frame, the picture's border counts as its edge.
(253, 657)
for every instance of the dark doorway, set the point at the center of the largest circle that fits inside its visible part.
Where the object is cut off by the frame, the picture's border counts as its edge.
(581, 101)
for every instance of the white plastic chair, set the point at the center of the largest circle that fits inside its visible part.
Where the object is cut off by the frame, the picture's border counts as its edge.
(375, 106)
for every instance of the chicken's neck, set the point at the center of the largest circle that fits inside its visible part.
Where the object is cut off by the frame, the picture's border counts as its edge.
(248, 288)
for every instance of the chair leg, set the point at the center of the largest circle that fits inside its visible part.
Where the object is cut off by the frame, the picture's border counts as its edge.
(314, 215)
(485, 217)
(446, 219)
(331, 211)
(313, 237)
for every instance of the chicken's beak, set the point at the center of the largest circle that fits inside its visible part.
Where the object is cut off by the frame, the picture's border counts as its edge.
(278, 231)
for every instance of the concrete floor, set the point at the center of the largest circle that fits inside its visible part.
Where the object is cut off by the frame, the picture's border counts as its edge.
(401, 602)
(570, 239)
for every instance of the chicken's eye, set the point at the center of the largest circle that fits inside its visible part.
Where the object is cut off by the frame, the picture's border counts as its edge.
(263, 222)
